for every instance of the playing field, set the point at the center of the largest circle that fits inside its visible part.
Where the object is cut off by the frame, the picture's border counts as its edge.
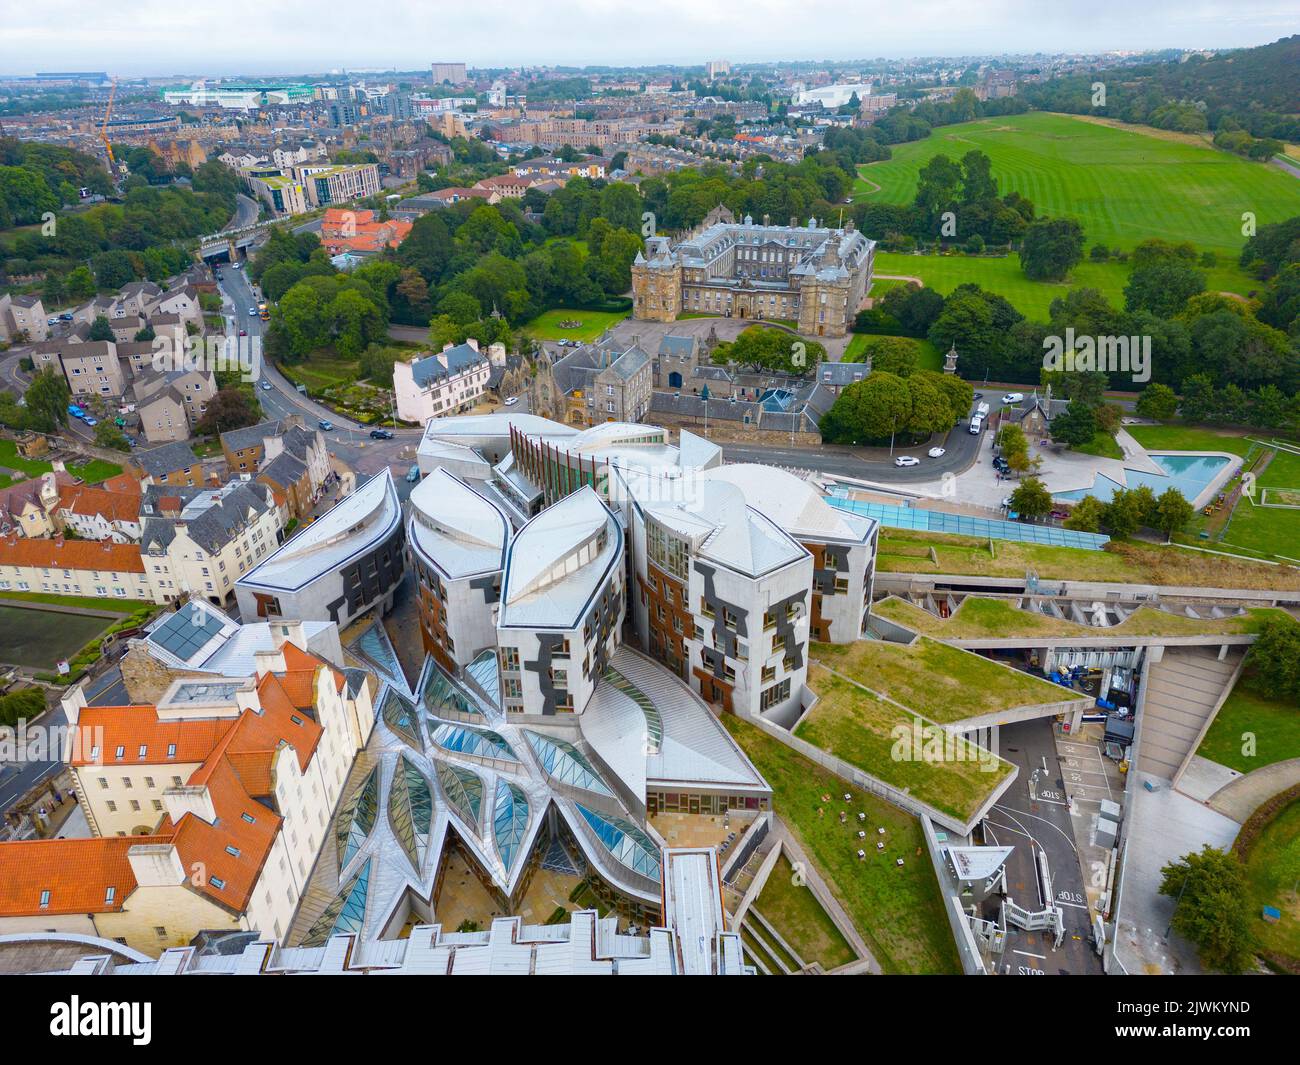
(1121, 184)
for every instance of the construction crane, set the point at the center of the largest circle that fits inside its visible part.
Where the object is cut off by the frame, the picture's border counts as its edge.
(103, 131)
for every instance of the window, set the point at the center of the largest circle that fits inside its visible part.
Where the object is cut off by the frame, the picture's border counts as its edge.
(232, 850)
(217, 882)
(775, 694)
(45, 900)
(109, 895)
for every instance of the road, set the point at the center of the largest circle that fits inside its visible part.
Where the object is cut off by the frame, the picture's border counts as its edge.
(348, 441)
(1034, 816)
(18, 778)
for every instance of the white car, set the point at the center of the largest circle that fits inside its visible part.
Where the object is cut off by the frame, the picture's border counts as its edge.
(937, 452)
(512, 401)
(1013, 397)
(907, 460)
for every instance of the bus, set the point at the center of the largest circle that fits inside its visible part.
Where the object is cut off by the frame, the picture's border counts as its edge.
(263, 311)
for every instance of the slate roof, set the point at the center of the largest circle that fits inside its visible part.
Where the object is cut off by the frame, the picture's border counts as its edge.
(165, 459)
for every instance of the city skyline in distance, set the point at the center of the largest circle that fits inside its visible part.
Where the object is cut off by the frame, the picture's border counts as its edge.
(241, 37)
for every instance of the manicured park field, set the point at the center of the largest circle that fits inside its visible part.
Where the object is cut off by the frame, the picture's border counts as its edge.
(546, 326)
(1123, 185)
(1002, 274)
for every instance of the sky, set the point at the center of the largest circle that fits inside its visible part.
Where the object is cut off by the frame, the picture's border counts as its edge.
(203, 37)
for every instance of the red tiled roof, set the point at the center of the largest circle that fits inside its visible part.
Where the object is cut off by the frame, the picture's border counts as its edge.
(111, 505)
(76, 872)
(133, 727)
(101, 555)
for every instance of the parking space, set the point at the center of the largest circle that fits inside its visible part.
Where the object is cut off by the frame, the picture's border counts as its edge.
(1086, 773)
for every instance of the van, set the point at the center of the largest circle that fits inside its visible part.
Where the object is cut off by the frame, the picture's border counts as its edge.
(982, 410)
(976, 424)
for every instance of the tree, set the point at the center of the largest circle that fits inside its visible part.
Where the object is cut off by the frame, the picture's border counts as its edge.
(1075, 425)
(868, 410)
(47, 401)
(100, 329)
(230, 408)
(1086, 515)
(1212, 907)
(80, 283)
(1051, 249)
(1163, 287)
(1031, 499)
(1173, 512)
(1274, 659)
(895, 355)
(1124, 513)
(1158, 402)
(108, 435)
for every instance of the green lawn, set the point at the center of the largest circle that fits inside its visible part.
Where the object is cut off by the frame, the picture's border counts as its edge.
(908, 551)
(1249, 719)
(1267, 531)
(864, 730)
(1002, 274)
(1102, 445)
(927, 355)
(115, 606)
(793, 910)
(1187, 438)
(979, 617)
(1123, 185)
(546, 326)
(942, 683)
(1272, 872)
(92, 471)
(897, 910)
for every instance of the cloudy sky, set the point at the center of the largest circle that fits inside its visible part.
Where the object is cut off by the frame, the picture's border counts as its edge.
(257, 36)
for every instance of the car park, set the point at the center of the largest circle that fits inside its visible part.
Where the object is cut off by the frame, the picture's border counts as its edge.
(907, 460)
(936, 452)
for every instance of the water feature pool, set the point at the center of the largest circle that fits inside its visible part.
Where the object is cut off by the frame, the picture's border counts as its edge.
(1188, 473)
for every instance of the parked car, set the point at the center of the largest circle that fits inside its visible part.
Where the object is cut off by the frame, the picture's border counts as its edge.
(976, 424)
(1001, 465)
(907, 460)
(74, 410)
(1013, 397)
(936, 452)
(66, 316)
(301, 388)
(381, 434)
(92, 422)
(325, 426)
(413, 474)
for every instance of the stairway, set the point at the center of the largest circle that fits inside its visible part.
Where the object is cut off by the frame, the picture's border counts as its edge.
(1181, 691)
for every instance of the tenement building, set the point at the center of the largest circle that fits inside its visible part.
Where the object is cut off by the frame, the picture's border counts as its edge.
(811, 276)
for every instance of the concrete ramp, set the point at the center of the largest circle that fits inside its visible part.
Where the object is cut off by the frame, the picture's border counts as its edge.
(1182, 690)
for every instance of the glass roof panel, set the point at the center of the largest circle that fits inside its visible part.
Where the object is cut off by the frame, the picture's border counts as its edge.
(357, 818)
(400, 716)
(463, 789)
(476, 742)
(509, 821)
(565, 763)
(410, 810)
(625, 842)
(344, 913)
